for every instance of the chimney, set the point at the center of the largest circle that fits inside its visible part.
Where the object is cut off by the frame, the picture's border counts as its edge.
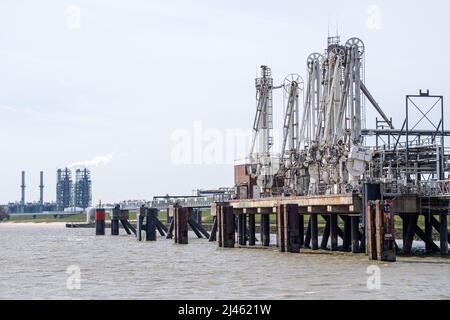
(41, 189)
(22, 187)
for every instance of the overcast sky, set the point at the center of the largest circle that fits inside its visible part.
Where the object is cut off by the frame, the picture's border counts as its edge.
(116, 84)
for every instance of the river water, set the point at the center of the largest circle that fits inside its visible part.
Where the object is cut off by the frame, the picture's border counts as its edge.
(45, 261)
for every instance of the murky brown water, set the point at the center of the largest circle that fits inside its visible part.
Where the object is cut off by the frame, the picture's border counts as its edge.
(34, 259)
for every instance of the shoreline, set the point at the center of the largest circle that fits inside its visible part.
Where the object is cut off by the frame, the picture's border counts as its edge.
(28, 223)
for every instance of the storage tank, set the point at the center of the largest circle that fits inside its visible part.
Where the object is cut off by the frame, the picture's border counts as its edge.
(90, 215)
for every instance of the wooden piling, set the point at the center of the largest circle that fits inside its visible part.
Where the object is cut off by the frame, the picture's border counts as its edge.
(265, 229)
(220, 226)
(429, 243)
(117, 216)
(291, 226)
(125, 226)
(241, 217)
(195, 226)
(307, 241)
(314, 232)
(354, 220)
(347, 233)
(227, 227)
(181, 217)
(428, 233)
(389, 246)
(213, 235)
(114, 227)
(198, 217)
(150, 229)
(139, 223)
(381, 231)
(436, 224)
(162, 229)
(100, 222)
(251, 230)
(301, 229)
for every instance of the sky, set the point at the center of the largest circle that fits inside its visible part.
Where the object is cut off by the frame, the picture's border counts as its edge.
(157, 97)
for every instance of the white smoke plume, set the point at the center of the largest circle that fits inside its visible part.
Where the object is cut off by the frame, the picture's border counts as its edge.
(95, 162)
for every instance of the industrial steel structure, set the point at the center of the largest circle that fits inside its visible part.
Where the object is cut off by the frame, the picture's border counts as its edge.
(82, 189)
(70, 194)
(331, 165)
(328, 150)
(64, 185)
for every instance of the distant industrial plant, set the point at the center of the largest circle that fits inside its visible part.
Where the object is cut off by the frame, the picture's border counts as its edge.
(69, 194)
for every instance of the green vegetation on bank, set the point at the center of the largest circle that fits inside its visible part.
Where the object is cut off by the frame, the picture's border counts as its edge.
(81, 217)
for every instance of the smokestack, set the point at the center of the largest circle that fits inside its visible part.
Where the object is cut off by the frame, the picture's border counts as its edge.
(22, 199)
(41, 188)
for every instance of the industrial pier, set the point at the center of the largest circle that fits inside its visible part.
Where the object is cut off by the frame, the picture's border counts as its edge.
(362, 182)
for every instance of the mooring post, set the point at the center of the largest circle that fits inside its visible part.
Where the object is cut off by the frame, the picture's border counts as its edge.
(115, 221)
(354, 220)
(443, 233)
(100, 222)
(265, 229)
(228, 227)
(314, 232)
(220, 226)
(251, 229)
(181, 216)
(175, 224)
(151, 224)
(140, 222)
(291, 219)
(334, 231)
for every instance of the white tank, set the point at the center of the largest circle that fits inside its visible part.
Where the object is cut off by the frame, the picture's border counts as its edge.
(90, 215)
